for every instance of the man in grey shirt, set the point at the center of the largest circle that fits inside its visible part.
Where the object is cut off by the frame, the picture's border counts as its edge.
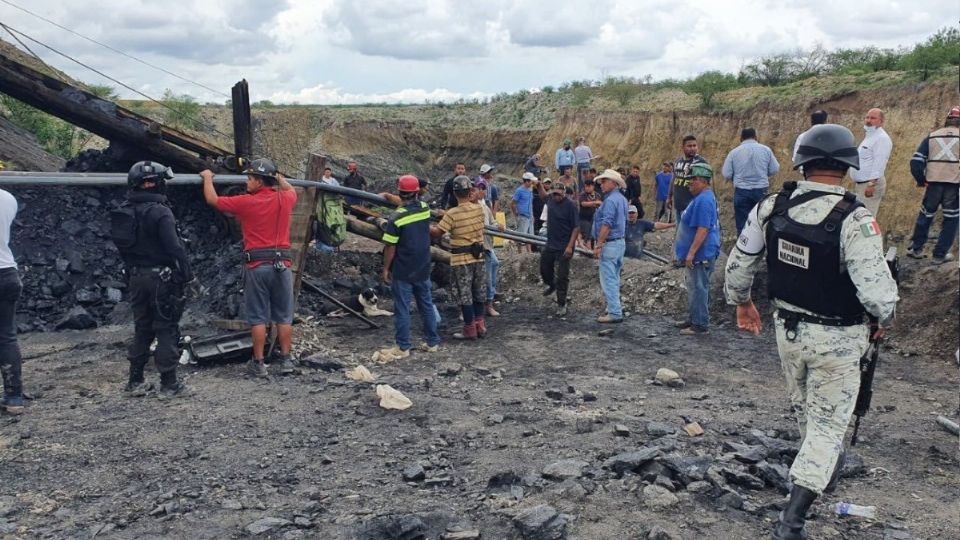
(749, 166)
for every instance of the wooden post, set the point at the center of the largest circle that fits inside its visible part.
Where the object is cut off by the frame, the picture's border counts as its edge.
(242, 124)
(301, 222)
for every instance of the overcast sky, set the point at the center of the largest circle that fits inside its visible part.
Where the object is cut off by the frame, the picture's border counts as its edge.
(354, 51)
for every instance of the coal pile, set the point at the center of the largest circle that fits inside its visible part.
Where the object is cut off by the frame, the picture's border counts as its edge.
(73, 275)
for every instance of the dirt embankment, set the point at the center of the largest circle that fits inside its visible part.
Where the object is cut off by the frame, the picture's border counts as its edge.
(390, 141)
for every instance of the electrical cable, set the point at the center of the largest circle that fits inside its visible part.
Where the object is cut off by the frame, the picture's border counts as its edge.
(144, 62)
(181, 114)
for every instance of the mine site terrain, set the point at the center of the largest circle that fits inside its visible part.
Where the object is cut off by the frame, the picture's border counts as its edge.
(547, 429)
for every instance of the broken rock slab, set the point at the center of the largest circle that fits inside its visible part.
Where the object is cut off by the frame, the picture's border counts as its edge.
(658, 497)
(266, 524)
(668, 377)
(541, 522)
(77, 318)
(565, 468)
(631, 461)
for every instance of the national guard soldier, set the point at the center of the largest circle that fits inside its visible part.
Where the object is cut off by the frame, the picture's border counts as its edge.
(827, 271)
(145, 232)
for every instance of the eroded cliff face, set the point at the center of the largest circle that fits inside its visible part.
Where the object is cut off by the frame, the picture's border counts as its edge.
(387, 147)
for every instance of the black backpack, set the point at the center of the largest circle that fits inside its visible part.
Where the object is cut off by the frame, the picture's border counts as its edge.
(125, 224)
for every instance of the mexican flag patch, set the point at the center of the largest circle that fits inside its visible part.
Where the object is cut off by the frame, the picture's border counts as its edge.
(870, 229)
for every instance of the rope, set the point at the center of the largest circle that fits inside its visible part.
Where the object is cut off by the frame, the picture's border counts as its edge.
(144, 62)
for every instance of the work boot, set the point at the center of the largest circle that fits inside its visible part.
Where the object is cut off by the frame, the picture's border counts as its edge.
(693, 331)
(390, 354)
(681, 324)
(915, 253)
(940, 260)
(490, 311)
(256, 368)
(287, 365)
(138, 389)
(792, 518)
(426, 347)
(12, 404)
(481, 324)
(177, 389)
(562, 311)
(469, 332)
(549, 290)
(835, 476)
(607, 319)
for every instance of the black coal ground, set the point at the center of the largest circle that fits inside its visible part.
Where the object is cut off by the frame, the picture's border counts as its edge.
(487, 445)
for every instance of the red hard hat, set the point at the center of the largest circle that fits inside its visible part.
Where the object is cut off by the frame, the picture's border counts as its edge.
(408, 183)
(954, 113)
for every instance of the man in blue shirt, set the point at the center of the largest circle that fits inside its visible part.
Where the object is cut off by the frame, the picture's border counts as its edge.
(522, 204)
(662, 181)
(565, 158)
(406, 267)
(635, 230)
(697, 248)
(609, 226)
(749, 166)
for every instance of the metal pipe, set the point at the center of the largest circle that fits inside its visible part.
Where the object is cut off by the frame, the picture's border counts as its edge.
(19, 178)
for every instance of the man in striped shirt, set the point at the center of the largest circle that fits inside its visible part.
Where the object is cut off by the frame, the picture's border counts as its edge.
(464, 223)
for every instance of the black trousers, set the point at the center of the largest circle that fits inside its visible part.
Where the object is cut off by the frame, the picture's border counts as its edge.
(157, 307)
(10, 359)
(553, 262)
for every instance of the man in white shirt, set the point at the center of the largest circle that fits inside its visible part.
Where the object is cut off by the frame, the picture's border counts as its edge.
(869, 181)
(10, 288)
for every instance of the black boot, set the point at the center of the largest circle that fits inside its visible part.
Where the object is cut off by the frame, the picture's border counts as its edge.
(835, 477)
(790, 526)
(135, 383)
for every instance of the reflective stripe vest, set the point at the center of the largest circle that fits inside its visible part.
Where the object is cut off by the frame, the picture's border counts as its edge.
(943, 159)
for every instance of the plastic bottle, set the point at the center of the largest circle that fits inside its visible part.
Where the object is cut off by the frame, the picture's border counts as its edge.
(850, 509)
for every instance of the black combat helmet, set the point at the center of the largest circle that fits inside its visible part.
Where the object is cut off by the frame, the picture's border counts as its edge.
(149, 171)
(264, 168)
(827, 146)
(462, 185)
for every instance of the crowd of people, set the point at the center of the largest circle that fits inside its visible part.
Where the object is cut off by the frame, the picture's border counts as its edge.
(828, 279)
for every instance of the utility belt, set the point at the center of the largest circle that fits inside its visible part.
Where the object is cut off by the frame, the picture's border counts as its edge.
(792, 318)
(476, 249)
(276, 256)
(162, 272)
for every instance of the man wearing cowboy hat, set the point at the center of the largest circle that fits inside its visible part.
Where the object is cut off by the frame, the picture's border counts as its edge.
(609, 226)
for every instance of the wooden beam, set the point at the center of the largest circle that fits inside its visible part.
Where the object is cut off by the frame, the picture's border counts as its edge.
(242, 122)
(105, 118)
(371, 231)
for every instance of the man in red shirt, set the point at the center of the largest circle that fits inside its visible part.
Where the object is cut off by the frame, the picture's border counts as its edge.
(264, 216)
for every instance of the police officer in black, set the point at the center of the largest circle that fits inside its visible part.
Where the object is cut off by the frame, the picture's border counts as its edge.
(145, 232)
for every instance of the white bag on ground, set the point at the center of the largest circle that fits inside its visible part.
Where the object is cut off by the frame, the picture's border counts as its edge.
(391, 398)
(360, 374)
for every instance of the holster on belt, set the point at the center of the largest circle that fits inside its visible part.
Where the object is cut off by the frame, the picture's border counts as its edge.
(476, 250)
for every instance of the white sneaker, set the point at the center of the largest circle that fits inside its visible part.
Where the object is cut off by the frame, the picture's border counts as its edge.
(429, 348)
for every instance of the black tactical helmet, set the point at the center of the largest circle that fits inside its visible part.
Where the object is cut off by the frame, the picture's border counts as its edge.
(832, 146)
(149, 171)
(462, 185)
(261, 167)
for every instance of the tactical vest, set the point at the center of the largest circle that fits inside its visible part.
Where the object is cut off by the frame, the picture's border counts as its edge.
(803, 260)
(943, 159)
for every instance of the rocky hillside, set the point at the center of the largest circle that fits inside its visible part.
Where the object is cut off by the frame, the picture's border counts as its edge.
(428, 140)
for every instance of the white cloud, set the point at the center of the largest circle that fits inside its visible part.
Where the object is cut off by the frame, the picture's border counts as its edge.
(341, 51)
(329, 95)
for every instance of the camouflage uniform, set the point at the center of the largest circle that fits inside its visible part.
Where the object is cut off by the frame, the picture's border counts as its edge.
(821, 363)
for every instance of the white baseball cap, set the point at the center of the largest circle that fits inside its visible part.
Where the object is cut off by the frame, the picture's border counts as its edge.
(529, 176)
(484, 169)
(632, 210)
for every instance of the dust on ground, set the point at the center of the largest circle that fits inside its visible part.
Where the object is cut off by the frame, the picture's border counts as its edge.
(313, 456)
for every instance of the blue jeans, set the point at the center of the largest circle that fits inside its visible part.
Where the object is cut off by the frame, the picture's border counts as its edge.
(937, 195)
(743, 202)
(420, 291)
(698, 293)
(581, 169)
(493, 266)
(611, 261)
(525, 224)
